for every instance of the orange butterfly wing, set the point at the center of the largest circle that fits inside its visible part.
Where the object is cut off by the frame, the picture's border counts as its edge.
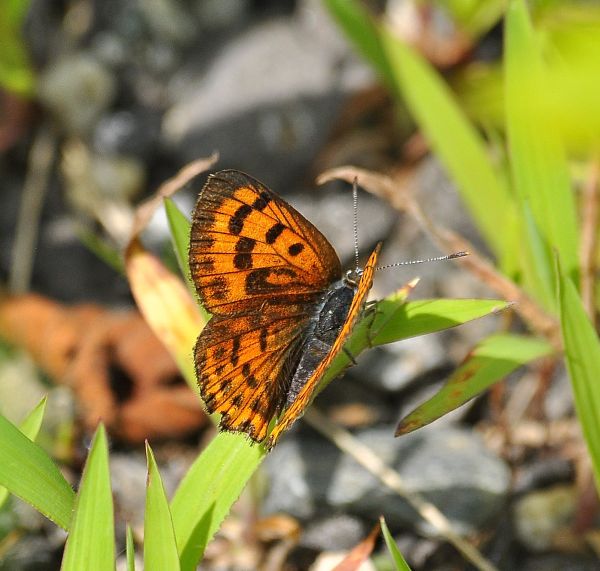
(297, 408)
(259, 267)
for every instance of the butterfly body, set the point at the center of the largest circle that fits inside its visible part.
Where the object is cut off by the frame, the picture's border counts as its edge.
(281, 308)
(321, 335)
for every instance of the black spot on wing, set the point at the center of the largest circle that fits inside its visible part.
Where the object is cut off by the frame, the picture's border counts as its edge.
(243, 259)
(295, 249)
(235, 348)
(218, 288)
(236, 222)
(262, 339)
(261, 201)
(274, 232)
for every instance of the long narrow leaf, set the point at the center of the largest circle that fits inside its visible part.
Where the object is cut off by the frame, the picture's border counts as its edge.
(538, 163)
(453, 138)
(30, 427)
(582, 352)
(209, 489)
(180, 228)
(29, 473)
(493, 359)
(160, 546)
(91, 541)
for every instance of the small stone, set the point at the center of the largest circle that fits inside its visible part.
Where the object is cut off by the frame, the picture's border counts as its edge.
(541, 515)
(77, 88)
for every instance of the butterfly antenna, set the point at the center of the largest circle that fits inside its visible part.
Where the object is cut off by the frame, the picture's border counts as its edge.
(355, 220)
(436, 259)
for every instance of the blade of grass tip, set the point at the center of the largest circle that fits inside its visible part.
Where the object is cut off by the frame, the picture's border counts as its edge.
(130, 549)
(29, 473)
(91, 542)
(582, 353)
(538, 162)
(160, 547)
(452, 137)
(399, 561)
(209, 489)
(30, 427)
(491, 361)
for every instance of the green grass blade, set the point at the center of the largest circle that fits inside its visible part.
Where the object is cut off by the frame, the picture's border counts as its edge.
(582, 353)
(160, 547)
(396, 321)
(30, 427)
(180, 228)
(16, 72)
(453, 138)
(91, 541)
(538, 163)
(130, 549)
(361, 29)
(29, 473)
(399, 563)
(490, 362)
(207, 492)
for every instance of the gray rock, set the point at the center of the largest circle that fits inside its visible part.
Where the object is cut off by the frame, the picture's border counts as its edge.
(450, 467)
(77, 88)
(334, 533)
(269, 90)
(394, 367)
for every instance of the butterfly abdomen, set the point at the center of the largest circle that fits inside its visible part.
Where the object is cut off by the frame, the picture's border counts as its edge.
(325, 329)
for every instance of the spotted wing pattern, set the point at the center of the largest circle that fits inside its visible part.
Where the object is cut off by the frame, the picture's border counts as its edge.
(260, 268)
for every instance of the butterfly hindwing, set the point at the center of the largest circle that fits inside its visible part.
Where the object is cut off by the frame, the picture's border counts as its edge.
(243, 367)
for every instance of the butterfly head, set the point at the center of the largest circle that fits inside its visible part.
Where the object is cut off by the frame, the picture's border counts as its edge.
(353, 276)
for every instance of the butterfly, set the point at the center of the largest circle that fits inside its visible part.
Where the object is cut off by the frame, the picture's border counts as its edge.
(281, 306)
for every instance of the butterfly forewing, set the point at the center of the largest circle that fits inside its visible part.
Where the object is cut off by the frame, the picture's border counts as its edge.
(247, 246)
